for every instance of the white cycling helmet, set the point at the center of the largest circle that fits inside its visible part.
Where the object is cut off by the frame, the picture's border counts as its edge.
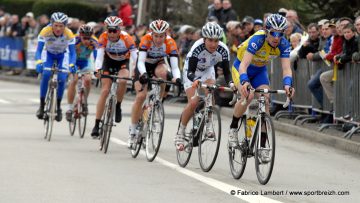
(212, 30)
(276, 22)
(59, 17)
(113, 21)
(159, 26)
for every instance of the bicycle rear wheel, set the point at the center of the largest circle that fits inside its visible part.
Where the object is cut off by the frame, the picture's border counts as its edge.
(183, 157)
(155, 131)
(238, 154)
(107, 127)
(82, 116)
(264, 167)
(50, 113)
(209, 143)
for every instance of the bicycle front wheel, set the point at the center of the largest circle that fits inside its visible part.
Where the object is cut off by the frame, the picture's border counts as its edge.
(50, 113)
(238, 154)
(108, 124)
(183, 157)
(265, 150)
(72, 125)
(209, 140)
(155, 131)
(82, 117)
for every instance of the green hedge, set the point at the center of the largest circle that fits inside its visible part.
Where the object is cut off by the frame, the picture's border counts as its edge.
(20, 7)
(81, 10)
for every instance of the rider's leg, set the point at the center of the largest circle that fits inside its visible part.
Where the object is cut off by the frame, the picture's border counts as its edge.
(44, 83)
(121, 90)
(137, 105)
(62, 79)
(105, 89)
(70, 97)
(161, 71)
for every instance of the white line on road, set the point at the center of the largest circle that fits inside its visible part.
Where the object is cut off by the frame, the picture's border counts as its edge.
(209, 181)
(3, 101)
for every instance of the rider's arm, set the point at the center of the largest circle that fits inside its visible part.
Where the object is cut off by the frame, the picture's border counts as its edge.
(99, 58)
(133, 55)
(141, 62)
(72, 55)
(243, 67)
(226, 70)
(94, 53)
(193, 61)
(174, 61)
(284, 48)
(40, 47)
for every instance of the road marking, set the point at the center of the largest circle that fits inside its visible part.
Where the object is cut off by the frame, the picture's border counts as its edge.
(33, 100)
(209, 181)
(3, 101)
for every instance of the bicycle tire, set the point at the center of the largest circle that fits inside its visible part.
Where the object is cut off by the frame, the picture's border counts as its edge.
(52, 108)
(264, 178)
(203, 139)
(240, 151)
(47, 114)
(150, 135)
(82, 116)
(108, 123)
(183, 157)
(72, 124)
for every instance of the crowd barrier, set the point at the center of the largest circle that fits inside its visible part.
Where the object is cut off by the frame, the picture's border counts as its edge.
(346, 107)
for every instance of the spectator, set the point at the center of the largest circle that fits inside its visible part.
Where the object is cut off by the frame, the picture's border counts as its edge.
(295, 41)
(357, 25)
(326, 78)
(291, 15)
(15, 29)
(248, 24)
(216, 10)
(258, 25)
(283, 11)
(312, 44)
(350, 45)
(110, 10)
(265, 17)
(43, 21)
(2, 11)
(125, 13)
(229, 14)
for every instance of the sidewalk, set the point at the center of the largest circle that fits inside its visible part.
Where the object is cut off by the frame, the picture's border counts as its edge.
(330, 137)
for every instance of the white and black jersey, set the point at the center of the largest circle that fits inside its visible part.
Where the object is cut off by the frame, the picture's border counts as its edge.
(199, 59)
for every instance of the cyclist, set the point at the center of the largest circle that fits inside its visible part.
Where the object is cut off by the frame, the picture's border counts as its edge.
(56, 38)
(85, 44)
(249, 68)
(115, 49)
(153, 48)
(206, 54)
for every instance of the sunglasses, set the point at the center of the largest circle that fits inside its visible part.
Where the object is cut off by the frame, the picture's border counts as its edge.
(86, 38)
(112, 30)
(276, 34)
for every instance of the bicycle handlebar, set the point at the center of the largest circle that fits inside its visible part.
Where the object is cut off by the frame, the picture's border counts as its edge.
(157, 81)
(268, 91)
(212, 88)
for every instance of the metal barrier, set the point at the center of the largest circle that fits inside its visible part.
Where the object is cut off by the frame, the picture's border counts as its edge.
(346, 107)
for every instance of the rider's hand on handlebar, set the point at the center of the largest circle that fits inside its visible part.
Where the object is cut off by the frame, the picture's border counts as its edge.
(244, 89)
(195, 84)
(177, 81)
(289, 91)
(232, 86)
(144, 78)
(97, 73)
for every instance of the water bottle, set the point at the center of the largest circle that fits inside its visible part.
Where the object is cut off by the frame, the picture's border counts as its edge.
(250, 123)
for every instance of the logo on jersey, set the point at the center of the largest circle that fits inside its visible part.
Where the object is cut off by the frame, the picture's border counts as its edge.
(253, 45)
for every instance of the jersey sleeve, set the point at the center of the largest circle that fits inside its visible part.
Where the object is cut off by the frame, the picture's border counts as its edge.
(43, 33)
(171, 47)
(255, 43)
(102, 40)
(129, 42)
(284, 48)
(70, 36)
(145, 43)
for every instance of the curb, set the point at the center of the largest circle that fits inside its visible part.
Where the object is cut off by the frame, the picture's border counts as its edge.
(312, 135)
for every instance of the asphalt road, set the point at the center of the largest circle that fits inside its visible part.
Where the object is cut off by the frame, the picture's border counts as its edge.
(70, 169)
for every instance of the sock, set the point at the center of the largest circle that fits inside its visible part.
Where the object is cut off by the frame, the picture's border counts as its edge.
(97, 122)
(59, 104)
(234, 122)
(42, 102)
(133, 129)
(71, 106)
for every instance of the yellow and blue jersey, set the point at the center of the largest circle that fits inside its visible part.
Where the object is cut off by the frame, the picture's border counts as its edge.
(53, 44)
(262, 54)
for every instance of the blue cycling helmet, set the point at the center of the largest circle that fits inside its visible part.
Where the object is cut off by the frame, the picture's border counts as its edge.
(276, 22)
(59, 17)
